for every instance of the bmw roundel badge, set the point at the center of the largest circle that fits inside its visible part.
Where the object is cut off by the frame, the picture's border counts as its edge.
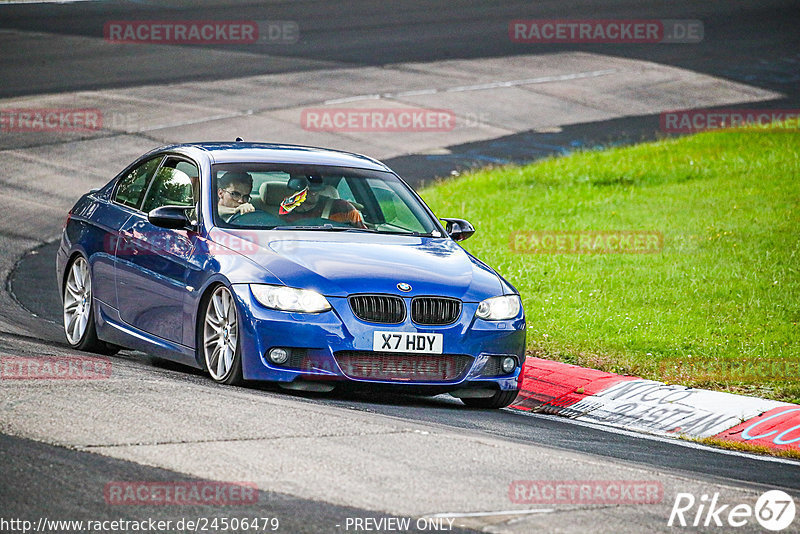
(402, 286)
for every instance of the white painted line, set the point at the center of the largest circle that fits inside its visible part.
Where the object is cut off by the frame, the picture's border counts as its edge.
(531, 81)
(198, 120)
(488, 514)
(33, 158)
(5, 2)
(418, 92)
(476, 87)
(655, 437)
(347, 99)
(110, 95)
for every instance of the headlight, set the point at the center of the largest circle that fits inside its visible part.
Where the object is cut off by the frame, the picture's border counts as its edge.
(290, 299)
(499, 308)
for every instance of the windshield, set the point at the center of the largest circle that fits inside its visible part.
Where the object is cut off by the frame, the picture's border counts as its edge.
(303, 197)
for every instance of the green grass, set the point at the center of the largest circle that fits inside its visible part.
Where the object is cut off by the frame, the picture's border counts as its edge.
(725, 289)
(746, 447)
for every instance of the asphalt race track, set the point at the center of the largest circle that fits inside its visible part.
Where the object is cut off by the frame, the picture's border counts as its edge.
(318, 460)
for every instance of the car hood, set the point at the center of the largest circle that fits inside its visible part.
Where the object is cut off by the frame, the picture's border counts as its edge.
(338, 264)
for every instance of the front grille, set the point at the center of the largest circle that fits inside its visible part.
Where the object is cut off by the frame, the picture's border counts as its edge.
(402, 367)
(385, 309)
(435, 310)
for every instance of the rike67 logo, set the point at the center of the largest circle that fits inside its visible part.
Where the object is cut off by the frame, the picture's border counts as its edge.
(774, 510)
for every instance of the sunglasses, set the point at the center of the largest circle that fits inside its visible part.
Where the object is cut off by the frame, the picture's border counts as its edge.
(235, 195)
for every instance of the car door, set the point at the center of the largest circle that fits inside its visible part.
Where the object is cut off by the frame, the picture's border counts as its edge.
(124, 202)
(153, 264)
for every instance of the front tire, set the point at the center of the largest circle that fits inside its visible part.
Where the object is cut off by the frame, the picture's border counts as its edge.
(78, 308)
(501, 399)
(220, 338)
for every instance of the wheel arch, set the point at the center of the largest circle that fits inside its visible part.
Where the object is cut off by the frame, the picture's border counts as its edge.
(71, 257)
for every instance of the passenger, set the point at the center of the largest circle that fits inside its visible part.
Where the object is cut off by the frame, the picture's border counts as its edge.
(309, 203)
(233, 190)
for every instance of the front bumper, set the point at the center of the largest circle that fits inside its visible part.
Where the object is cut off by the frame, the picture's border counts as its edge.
(335, 345)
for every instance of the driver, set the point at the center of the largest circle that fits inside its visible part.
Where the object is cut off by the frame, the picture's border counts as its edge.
(309, 203)
(233, 190)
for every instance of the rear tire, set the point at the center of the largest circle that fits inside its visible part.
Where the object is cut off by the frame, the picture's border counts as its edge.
(78, 310)
(218, 338)
(501, 399)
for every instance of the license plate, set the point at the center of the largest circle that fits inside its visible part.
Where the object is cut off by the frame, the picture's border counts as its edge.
(407, 342)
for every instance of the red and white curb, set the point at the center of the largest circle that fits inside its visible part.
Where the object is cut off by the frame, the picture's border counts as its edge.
(643, 405)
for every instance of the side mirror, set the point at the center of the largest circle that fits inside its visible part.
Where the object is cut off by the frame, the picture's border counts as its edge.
(458, 229)
(174, 217)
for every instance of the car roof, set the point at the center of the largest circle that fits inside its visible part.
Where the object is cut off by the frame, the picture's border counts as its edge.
(238, 152)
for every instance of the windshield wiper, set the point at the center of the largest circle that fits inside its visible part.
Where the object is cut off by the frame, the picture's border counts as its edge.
(404, 232)
(332, 228)
(324, 228)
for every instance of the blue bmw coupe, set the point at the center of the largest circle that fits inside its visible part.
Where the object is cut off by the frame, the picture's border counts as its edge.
(307, 267)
